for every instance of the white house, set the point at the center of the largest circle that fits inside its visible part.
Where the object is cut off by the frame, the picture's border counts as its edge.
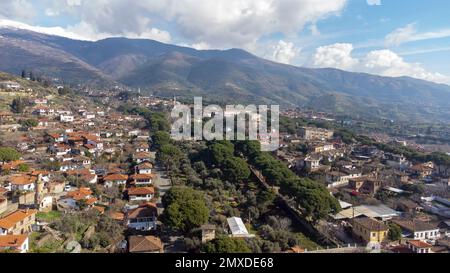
(10, 85)
(418, 230)
(142, 218)
(145, 168)
(141, 194)
(22, 182)
(18, 243)
(46, 203)
(142, 180)
(66, 118)
(115, 179)
(418, 246)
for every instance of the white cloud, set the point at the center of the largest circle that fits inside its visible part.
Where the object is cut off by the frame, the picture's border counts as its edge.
(381, 62)
(58, 31)
(83, 31)
(400, 35)
(387, 63)
(374, 2)
(409, 33)
(284, 52)
(219, 23)
(336, 55)
(19, 9)
(201, 46)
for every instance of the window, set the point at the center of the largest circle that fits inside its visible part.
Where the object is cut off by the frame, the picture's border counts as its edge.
(374, 234)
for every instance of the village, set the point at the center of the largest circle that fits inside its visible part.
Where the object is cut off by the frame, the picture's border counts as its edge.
(379, 191)
(89, 168)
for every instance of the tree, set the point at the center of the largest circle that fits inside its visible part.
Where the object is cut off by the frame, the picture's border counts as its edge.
(160, 138)
(8, 154)
(64, 91)
(157, 122)
(218, 152)
(31, 76)
(169, 155)
(185, 209)
(236, 169)
(395, 232)
(23, 168)
(18, 105)
(29, 123)
(225, 244)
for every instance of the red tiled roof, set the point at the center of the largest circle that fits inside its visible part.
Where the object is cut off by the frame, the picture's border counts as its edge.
(12, 219)
(116, 177)
(141, 191)
(22, 179)
(12, 241)
(142, 176)
(145, 244)
(419, 244)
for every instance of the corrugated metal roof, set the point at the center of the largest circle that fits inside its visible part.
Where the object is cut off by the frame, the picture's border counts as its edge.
(237, 227)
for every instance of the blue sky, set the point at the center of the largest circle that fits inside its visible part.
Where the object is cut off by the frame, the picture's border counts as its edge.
(385, 37)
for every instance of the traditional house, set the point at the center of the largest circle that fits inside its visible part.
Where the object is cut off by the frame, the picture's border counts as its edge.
(115, 179)
(145, 168)
(142, 180)
(73, 200)
(141, 194)
(418, 246)
(10, 85)
(14, 243)
(18, 222)
(418, 230)
(366, 185)
(22, 182)
(145, 244)
(312, 163)
(142, 147)
(142, 157)
(142, 218)
(369, 230)
(421, 170)
(3, 204)
(208, 233)
(339, 179)
(66, 118)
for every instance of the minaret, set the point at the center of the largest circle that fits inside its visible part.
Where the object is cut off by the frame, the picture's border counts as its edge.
(38, 189)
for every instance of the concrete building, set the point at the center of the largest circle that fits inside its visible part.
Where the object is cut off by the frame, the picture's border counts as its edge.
(311, 133)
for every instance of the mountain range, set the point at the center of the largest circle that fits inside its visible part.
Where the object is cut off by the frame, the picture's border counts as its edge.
(225, 76)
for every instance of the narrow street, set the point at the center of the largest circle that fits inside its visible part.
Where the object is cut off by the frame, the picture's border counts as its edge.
(162, 184)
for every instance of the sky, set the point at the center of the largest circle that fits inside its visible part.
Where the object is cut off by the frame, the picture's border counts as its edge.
(383, 37)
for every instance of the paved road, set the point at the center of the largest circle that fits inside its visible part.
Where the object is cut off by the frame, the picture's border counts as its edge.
(163, 184)
(172, 244)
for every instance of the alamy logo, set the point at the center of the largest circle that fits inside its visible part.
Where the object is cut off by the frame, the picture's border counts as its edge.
(236, 122)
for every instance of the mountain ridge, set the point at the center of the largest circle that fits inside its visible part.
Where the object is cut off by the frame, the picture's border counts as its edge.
(232, 75)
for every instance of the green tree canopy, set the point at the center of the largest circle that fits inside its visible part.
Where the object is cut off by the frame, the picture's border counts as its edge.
(169, 155)
(225, 244)
(236, 169)
(185, 209)
(8, 154)
(395, 232)
(18, 105)
(161, 138)
(29, 123)
(219, 152)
